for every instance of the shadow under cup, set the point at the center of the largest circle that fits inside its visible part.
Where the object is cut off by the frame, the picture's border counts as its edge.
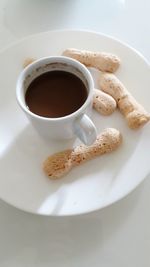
(58, 127)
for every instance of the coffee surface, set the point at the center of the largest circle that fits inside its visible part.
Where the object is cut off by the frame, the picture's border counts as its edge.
(55, 94)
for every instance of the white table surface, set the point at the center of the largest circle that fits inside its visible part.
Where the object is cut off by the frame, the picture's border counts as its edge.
(120, 234)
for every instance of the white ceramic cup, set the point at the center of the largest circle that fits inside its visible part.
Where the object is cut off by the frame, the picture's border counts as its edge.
(75, 124)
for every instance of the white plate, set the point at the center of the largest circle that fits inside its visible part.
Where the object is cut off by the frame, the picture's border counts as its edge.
(93, 185)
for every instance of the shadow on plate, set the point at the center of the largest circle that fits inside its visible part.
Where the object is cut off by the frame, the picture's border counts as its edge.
(25, 185)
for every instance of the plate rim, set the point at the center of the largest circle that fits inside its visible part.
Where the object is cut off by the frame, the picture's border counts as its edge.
(82, 31)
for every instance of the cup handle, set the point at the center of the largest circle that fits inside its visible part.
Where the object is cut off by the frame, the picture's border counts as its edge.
(85, 130)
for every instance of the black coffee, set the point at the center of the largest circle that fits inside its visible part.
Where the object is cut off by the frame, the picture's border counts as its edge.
(55, 94)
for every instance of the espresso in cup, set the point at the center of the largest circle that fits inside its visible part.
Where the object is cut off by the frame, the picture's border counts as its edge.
(55, 94)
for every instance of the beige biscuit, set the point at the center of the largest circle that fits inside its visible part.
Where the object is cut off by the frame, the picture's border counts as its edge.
(134, 113)
(58, 164)
(28, 61)
(99, 60)
(61, 163)
(103, 103)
